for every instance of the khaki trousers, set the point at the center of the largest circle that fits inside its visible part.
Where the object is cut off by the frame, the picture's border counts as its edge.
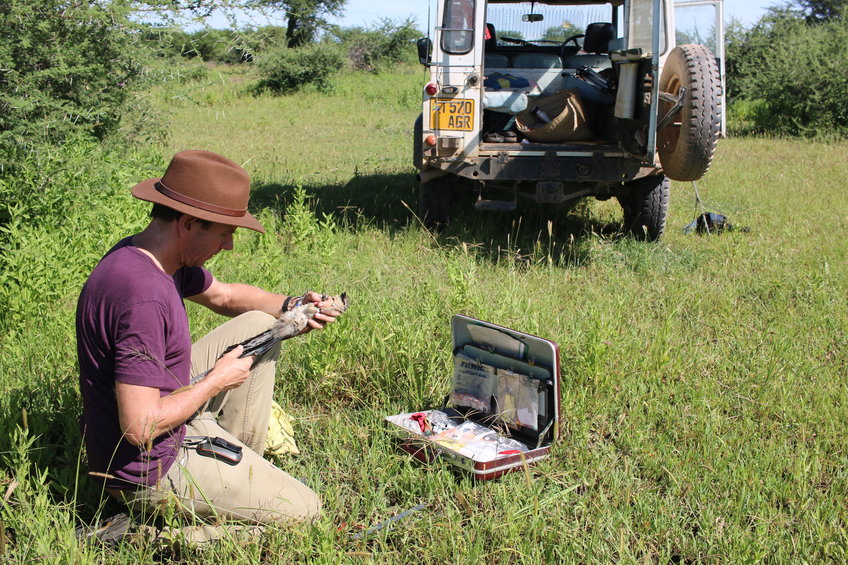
(253, 490)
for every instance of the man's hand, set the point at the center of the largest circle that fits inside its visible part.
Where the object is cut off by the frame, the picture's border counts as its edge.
(144, 414)
(328, 310)
(230, 371)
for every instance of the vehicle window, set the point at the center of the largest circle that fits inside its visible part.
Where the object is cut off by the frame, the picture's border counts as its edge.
(557, 23)
(458, 26)
(641, 27)
(696, 24)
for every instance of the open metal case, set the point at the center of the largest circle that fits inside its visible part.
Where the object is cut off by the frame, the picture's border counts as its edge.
(503, 408)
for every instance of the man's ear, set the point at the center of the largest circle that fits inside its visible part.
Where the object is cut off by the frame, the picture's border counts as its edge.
(186, 222)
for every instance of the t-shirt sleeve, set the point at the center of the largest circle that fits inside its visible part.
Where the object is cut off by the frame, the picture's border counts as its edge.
(140, 347)
(192, 280)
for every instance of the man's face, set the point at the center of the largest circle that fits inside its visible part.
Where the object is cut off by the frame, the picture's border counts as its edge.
(205, 241)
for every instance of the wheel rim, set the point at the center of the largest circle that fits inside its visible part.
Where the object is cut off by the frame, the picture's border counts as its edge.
(670, 134)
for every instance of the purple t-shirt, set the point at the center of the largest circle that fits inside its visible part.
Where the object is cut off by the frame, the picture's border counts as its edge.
(132, 327)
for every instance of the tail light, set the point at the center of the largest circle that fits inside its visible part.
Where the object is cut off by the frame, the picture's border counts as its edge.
(431, 89)
(430, 140)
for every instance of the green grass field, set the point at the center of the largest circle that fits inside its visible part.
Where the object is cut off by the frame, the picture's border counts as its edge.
(704, 401)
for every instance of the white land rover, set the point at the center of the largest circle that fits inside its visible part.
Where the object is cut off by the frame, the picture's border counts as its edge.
(555, 100)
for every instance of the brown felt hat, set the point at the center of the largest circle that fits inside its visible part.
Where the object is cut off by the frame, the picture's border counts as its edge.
(204, 185)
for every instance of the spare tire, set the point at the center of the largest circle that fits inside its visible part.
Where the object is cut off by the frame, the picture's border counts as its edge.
(686, 144)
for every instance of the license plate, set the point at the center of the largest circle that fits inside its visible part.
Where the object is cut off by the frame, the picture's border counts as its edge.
(453, 113)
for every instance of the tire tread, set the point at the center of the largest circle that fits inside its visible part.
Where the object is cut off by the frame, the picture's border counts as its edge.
(691, 156)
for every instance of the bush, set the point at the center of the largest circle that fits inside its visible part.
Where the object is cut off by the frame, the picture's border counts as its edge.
(58, 208)
(288, 70)
(230, 46)
(207, 44)
(796, 71)
(213, 45)
(164, 43)
(64, 67)
(745, 117)
(372, 49)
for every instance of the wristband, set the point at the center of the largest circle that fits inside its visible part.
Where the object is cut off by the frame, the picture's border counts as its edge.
(292, 302)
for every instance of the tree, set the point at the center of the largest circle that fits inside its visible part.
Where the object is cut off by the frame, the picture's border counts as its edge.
(823, 10)
(561, 33)
(387, 43)
(65, 67)
(508, 33)
(735, 40)
(303, 17)
(791, 71)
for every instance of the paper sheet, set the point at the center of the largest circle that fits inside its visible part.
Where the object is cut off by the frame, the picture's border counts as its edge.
(517, 399)
(466, 438)
(473, 383)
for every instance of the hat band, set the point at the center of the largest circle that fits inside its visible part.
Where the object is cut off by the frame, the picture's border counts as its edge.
(194, 203)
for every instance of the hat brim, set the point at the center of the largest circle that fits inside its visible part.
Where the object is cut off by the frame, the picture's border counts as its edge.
(146, 190)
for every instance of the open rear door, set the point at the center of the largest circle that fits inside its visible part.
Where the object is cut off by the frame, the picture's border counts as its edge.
(702, 21)
(453, 110)
(646, 27)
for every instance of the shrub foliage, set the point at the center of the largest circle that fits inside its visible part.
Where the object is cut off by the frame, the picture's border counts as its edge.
(64, 66)
(287, 70)
(389, 43)
(789, 74)
(228, 46)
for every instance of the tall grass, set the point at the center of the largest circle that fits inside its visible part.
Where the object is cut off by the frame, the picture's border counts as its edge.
(703, 393)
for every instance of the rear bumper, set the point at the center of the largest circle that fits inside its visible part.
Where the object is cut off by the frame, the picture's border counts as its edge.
(545, 163)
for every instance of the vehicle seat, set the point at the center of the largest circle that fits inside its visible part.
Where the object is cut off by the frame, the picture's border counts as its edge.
(490, 58)
(490, 39)
(536, 61)
(595, 48)
(496, 61)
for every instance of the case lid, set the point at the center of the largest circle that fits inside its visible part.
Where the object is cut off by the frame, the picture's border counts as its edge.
(506, 377)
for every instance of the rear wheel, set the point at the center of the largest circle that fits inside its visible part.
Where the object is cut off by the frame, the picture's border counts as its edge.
(434, 201)
(645, 205)
(687, 144)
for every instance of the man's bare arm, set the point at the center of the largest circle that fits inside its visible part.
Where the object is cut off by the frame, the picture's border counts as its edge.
(232, 299)
(144, 416)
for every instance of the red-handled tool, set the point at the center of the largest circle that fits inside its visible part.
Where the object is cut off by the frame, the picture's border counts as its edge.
(421, 418)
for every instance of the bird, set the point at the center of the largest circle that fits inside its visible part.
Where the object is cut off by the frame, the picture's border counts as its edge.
(289, 324)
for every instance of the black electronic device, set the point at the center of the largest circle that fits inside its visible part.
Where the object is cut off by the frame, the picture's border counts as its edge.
(220, 449)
